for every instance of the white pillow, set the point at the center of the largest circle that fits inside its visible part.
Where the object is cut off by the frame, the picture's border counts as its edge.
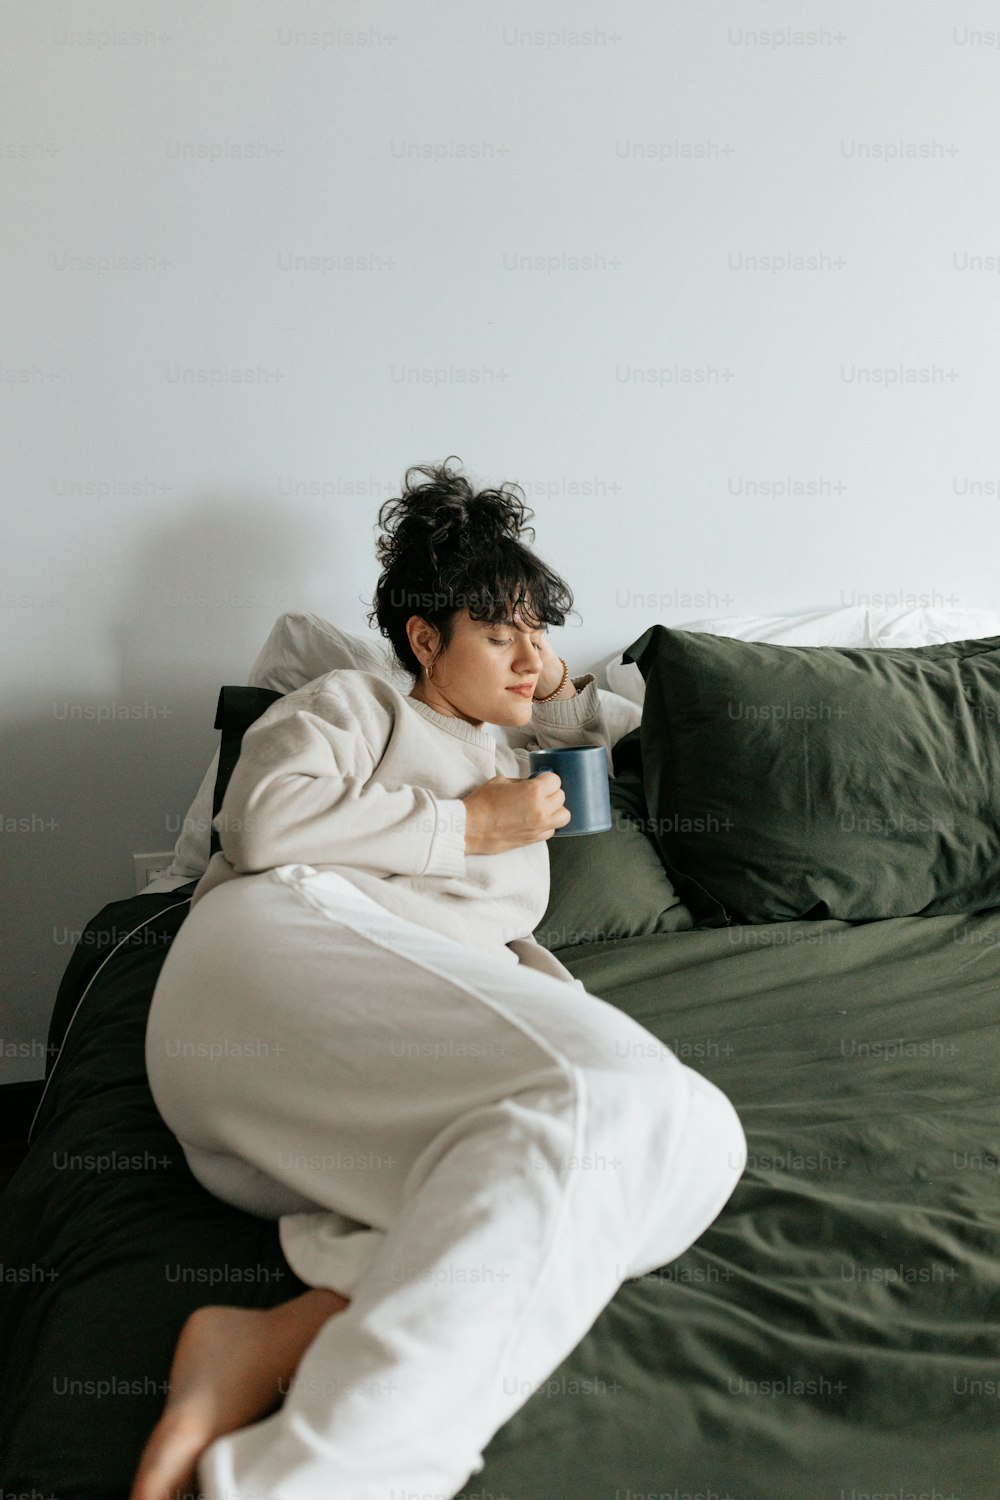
(192, 847)
(855, 625)
(300, 648)
(930, 627)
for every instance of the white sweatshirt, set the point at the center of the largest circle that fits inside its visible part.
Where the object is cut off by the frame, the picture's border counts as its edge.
(349, 774)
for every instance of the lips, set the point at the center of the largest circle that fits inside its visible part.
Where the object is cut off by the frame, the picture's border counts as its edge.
(523, 692)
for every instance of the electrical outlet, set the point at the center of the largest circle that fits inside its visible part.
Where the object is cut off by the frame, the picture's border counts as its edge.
(149, 867)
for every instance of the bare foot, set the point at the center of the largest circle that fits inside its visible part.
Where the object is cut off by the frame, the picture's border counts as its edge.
(231, 1367)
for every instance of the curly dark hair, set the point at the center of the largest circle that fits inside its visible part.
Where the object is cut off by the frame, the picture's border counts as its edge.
(446, 548)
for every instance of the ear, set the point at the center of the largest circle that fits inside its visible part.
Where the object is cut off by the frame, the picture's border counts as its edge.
(422, 636)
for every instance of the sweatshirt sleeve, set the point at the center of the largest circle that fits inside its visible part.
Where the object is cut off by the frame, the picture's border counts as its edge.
(301, 792)
(530, 952)
(583, 720)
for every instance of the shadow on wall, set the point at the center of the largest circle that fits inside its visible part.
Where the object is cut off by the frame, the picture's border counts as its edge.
(91, 777)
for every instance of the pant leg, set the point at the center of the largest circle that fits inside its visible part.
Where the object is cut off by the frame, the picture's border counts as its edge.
(511, 1146)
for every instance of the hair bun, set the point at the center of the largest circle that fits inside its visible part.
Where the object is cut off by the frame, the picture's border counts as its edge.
(445, 513)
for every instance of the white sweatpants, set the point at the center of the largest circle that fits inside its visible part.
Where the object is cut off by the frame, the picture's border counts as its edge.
(476, 1153)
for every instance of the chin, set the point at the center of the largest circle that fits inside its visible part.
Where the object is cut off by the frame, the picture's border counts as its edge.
(519, 708)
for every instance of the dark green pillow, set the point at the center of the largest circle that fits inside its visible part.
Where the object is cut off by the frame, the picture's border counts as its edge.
(815, 781)
(610, 885)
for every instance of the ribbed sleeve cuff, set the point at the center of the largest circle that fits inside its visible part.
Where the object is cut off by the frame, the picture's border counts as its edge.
(571, 713)
(447, 853)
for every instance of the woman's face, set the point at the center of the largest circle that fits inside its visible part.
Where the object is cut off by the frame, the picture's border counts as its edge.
(474, 675)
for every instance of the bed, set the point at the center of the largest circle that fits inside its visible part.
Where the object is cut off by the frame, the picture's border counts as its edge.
(834, 1335)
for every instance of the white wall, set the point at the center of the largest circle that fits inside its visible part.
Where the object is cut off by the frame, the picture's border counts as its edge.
(159, 514)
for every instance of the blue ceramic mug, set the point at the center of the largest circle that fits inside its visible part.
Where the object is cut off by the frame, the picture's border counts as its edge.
(583, 771)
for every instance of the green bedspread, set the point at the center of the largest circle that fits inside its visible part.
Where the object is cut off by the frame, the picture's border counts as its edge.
(834, 1335)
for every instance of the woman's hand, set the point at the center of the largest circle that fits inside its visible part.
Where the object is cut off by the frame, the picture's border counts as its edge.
(551, 672)
(507, 812)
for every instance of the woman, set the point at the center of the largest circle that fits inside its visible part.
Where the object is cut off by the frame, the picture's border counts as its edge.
(467, 1153)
